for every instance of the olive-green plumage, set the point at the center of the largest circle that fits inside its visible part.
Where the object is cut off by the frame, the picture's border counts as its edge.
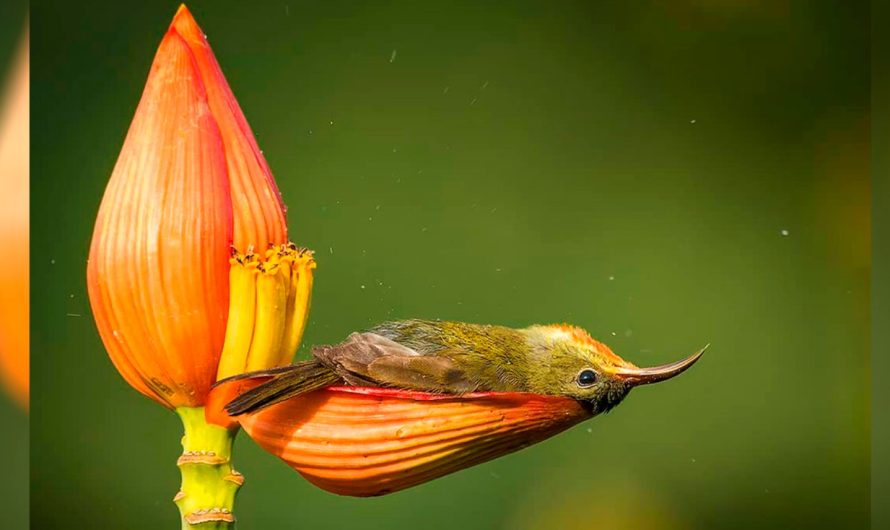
(457, 358)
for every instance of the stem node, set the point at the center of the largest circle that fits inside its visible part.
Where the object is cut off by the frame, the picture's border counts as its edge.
(209, 483)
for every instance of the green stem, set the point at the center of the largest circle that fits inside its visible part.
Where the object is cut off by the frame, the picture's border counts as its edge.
(209, 483)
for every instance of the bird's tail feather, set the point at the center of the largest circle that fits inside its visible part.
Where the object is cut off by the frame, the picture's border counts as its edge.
(289, 381)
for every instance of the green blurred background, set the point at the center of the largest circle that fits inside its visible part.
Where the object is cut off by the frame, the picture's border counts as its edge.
(664, 174)
(14, 420)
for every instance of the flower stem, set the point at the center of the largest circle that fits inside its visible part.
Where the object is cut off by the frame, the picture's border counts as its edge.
(209, 483)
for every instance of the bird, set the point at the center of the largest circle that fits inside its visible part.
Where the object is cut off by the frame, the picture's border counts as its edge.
(460, 358)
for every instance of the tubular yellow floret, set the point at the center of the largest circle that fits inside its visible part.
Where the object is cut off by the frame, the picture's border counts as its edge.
(271, 310)
(268, 305)
(299, 300)
(242, 310)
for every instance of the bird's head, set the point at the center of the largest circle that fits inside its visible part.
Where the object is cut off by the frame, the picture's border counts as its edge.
(587, 370)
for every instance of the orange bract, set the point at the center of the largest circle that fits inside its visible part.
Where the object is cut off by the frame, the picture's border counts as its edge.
(190, 183)
(257, 206)
(364, 441)
(14, 273)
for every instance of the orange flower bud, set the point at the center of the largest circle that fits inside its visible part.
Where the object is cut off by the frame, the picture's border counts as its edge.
(365, 441)
(190, 188)
(14, 299)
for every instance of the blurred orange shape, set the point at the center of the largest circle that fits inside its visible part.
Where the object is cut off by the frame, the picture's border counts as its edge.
(14, 192)
(366, 441)
(190, 185)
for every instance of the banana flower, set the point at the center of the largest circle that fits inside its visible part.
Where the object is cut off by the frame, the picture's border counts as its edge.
(191, 275)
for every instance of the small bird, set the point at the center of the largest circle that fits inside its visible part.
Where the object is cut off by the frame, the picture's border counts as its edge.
(459, 358)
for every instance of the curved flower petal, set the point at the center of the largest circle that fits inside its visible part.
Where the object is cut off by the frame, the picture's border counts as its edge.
(258, 208)
(364, 441)
(158, 272)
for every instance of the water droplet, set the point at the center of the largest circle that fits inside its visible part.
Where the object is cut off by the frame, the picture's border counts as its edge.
(392, 56)
(611, 278)
(692, 121)
(784, 232)
(363, 286)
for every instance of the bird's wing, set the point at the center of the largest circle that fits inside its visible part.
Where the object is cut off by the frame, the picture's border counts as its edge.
(368, 358)
(286, 382)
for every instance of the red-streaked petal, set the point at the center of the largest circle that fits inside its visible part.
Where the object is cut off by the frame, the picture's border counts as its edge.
(365, 441)
(158, 269)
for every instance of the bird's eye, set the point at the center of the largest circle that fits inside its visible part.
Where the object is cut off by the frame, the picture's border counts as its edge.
(586, 378)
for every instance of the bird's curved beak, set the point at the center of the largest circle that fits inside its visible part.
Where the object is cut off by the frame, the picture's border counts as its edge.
(645, 376)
